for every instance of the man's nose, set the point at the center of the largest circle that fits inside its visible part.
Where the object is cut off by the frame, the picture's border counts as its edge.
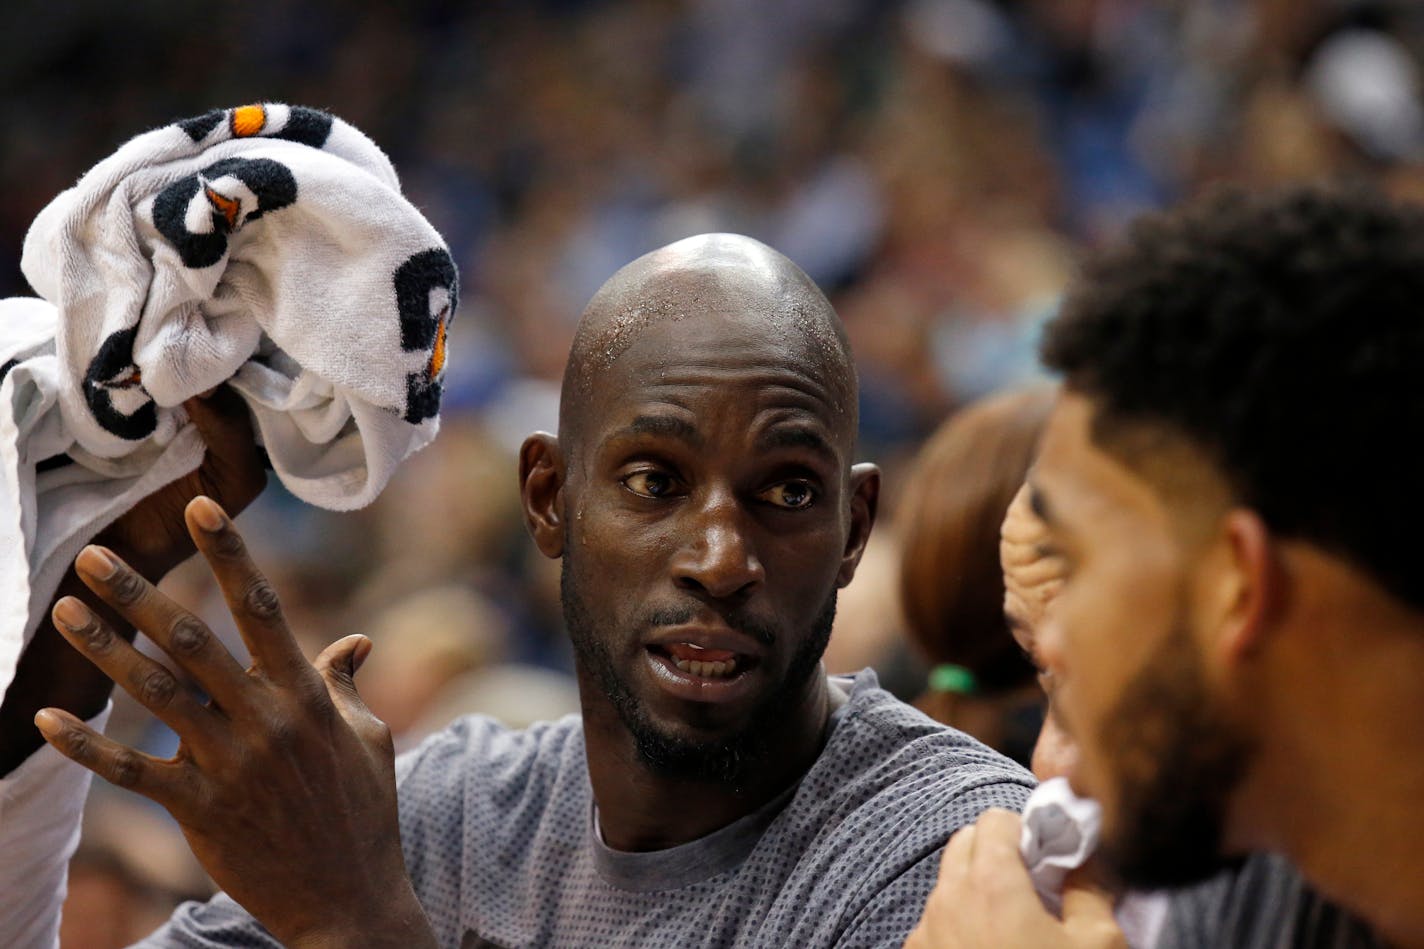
(718, 557)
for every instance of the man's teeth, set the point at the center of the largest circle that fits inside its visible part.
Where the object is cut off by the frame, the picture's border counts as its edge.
(708, 670)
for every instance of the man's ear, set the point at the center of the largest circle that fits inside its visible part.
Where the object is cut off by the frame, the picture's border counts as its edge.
(541, 491)
(1246, 588)
(864, 501)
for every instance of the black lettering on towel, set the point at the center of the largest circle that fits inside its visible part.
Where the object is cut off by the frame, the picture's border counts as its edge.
(307, 126)
(270, 181)
(112, 370)
(423, 325)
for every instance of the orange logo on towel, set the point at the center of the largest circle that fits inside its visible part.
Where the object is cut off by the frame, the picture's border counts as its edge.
(229, 208)
(437, 357)
(303, 125)
(248, 120)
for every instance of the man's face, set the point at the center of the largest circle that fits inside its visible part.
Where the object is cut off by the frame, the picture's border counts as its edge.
(1153, 745)
(707, 514)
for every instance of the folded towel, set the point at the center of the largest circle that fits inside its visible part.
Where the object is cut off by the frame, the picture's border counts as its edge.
(1060, 833)
(267, 247)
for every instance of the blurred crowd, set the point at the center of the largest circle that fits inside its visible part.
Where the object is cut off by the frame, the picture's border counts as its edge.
(936, 165)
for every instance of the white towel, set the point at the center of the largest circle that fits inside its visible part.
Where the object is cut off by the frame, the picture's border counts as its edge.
(265, 246)
(1060, 833)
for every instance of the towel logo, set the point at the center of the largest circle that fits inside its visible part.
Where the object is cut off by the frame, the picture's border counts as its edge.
(304, 126)
(114, 392)
(427, 292)
(198, 213)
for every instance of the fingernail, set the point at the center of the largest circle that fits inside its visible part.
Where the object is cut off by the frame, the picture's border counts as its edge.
(207, 513)
(71, 613)
(48, 723)
(359, 653)
(97, 562)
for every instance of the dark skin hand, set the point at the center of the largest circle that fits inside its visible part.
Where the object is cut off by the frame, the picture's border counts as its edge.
(152, 538)
(284, 783)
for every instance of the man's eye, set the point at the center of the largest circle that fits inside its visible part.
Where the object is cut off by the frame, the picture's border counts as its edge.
(792, 495)
(650, 484)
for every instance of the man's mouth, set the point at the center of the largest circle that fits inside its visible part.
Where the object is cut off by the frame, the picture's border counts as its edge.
(701, 674)
(701, 662)
(704, 662)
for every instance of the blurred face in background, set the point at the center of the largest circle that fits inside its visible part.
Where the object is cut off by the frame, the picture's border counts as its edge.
(1033, 575)
(1124, 662)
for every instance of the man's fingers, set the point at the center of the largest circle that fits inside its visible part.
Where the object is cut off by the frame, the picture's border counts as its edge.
(155, 688)
(250, 598)
(222, 419)
(1086, 903)
(176, 631)
(998, 833)
(955, 861)
(233, 466)
(118, 764)
(998, 868)
(337, 665)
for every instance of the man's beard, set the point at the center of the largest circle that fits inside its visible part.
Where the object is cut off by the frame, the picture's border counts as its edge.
(726, 759)
(1178, 761)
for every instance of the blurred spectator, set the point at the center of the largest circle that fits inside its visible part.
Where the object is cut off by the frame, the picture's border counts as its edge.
(131, 870)
(423, 642)
(951, 584)
(1033, 575)
(933, 163)
(869, 628)
(438, 654)
(107, 904)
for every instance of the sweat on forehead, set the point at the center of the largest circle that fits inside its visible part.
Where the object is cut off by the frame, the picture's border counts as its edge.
(735, 280)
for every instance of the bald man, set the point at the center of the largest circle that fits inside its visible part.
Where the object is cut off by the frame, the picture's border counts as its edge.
(717, 790)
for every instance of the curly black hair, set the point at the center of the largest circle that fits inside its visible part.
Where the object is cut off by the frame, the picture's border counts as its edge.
(1282, 333)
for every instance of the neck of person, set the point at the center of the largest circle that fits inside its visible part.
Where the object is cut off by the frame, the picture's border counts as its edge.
(1339, 778)
(641, 808)
(1363, 847)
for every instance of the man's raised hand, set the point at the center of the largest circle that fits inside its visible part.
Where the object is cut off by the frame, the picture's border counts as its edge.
(985, 899)
(153, 538)
(283, 783)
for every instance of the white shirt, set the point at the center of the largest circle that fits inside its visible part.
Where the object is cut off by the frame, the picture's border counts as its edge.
(41, 807)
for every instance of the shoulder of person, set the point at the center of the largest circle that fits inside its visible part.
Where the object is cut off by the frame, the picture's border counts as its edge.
(1261, 903)
(895, 783)
(870, 819)
(895, 748)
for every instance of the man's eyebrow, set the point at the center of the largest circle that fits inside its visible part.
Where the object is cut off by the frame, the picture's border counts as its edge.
(669, 425)
(795, 437)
